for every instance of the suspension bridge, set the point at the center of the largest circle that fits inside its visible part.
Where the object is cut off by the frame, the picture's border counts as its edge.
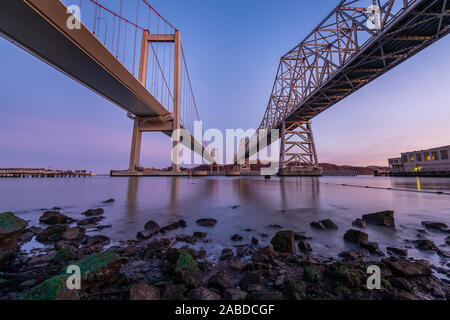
(123, 50)
(133, 57)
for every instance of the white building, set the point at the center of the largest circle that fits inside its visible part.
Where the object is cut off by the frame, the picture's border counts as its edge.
(431, 161)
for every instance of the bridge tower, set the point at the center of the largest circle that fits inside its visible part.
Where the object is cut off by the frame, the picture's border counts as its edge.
(167, 124)
(297, 149)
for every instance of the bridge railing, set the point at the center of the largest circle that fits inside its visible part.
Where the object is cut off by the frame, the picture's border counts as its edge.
(333, 43)
(119, 25)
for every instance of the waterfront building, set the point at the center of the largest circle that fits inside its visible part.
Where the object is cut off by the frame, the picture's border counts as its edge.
(434, 161)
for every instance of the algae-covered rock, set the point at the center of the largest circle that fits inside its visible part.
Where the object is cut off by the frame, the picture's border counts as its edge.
(11, 227)
(187, 270)
(96, 270)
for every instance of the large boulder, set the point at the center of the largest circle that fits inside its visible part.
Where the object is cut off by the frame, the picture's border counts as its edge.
(51, 234)
(55, 217)
(152, 227)
(284, 241)
(324, 225)
(97, 272)
(426, 245)
(74, 234)
(220, 282)
(94, 212)
(406, 268)
(356, 236)
(207, 222)
(11, 227)
(186, 270)
(383, 218)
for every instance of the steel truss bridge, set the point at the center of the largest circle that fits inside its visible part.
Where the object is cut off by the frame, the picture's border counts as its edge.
(356, 43)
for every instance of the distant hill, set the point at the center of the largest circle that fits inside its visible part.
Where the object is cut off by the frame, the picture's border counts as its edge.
(328, 167)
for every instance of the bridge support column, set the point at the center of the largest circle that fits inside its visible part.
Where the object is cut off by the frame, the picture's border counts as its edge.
(177, 105)
(298, 149)
(135, 154)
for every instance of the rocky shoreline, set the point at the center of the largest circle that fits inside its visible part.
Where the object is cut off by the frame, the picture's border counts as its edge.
(154, 266)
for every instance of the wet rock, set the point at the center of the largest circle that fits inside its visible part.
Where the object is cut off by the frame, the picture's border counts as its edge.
(56, 208)
(54, 217)
(220, 282)
(203, 294)
(405, 268)
(109, 201)
(234, 295)
(275, 226)
(264, 235)
(26, 236)
(170, 227)
(93, 212)
(89, 221)
(152, 227)
(401, 283)
(207, 222)
(354, 254)
(11, 227)
(304, 246)
(294, 290)
(51, 234)
(284, 241)
(35, 230)
(324, 225)
(360, 223)
(200, 235)
(186, 270)
(236, 237)
(143, 291)
(426, 245)
(96, 240)
(301, 236)
(443, 253)
(74, 234)
(383, 218)
(329, 225)
(437, 226)
(182, 223)
(255, 241)
(265, 255)
(372, 247)
(399, 251)
(252, 281)
(235, 207)
(174, 292)
(186, 238)
(356, 236)
(144, 235)
(227, 254)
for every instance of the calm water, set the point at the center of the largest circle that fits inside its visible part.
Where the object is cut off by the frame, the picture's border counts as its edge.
(291, 202)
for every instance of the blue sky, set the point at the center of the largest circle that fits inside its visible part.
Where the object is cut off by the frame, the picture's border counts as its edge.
(233, 49)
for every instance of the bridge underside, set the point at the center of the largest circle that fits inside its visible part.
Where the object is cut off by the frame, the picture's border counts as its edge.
(417, 29)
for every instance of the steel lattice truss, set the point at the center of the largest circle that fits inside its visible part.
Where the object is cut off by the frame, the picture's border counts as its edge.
(352, 46)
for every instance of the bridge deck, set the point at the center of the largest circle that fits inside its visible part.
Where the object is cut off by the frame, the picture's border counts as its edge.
(40, 28)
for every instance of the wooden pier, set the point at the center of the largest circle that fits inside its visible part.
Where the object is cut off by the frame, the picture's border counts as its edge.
(43, 173)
